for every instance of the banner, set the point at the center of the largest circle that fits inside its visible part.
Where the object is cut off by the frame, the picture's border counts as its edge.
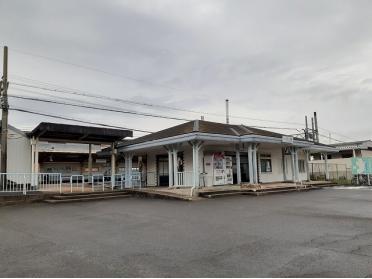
(361, 165)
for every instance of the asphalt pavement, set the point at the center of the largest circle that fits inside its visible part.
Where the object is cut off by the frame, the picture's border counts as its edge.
(323, 233)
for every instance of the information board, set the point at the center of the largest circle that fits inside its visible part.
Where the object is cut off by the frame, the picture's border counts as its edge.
(361, 165)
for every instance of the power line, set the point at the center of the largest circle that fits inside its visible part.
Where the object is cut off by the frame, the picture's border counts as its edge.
(76, 120)
(85, 94)
(97, 108)
(131, 78)
(120, 111)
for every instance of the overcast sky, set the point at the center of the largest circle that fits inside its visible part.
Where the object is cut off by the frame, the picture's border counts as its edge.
(275, 60)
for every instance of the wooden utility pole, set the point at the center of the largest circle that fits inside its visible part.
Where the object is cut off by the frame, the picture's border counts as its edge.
(4, 113)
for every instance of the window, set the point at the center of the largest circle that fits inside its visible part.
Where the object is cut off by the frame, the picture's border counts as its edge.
(265, 161)
(301, 165)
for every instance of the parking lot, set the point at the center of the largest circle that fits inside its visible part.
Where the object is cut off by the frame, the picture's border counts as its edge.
(318, 233)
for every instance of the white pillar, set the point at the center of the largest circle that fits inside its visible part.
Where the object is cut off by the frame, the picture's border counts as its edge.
(293, 165)
(326, 166)
(113, 165)
(238, 170)
(307, 162)
(254, 164)
(32, 161)
(284, 165)
(297, 171)
(90, 163)
(36, 162)
(175, 168)
(128, 170)
(170, 167)
(130, 157)
(197, 177)
(250, 164)
(193, 165)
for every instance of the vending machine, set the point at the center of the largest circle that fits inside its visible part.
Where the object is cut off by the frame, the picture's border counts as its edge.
(218, 169)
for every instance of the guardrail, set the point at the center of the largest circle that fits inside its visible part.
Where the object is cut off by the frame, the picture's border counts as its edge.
(30, 182)
(55, 182)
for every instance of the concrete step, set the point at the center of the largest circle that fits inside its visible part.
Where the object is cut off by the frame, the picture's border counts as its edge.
(219, 194)
(215, 194)
(87, 195)
(92, 193)
(159, 194)
(84, 199)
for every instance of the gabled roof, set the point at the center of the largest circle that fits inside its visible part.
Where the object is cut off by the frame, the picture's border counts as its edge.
(202, 126)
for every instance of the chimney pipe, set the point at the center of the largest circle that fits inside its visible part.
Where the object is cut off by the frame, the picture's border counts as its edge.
(227, 111)
(306, 129)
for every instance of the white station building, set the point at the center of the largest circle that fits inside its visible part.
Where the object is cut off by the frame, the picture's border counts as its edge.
(202, 153)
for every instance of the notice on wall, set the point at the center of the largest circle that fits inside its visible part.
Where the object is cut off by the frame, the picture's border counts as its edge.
(361, 165)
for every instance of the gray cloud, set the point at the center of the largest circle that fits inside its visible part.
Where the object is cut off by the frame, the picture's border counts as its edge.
(274, 59)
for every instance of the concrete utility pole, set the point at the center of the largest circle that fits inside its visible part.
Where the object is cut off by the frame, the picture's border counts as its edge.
(4, 114)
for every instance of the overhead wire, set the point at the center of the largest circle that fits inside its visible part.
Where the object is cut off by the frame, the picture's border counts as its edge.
(159, 85)
(76, 120)
(86, 94)
(127, 77)
(96, 108)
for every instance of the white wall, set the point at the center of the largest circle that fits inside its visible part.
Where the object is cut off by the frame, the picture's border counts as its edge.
(19, 152)
(366, 153)
(276, 159)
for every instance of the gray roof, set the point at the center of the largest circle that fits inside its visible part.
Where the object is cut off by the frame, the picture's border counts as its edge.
(362, 144)
(202, 126)
(76, 133)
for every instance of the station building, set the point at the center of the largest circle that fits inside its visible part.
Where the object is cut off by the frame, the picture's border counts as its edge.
(202, 153)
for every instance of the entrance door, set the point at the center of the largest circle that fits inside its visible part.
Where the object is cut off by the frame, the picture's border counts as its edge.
(243, 168)
(163, 171)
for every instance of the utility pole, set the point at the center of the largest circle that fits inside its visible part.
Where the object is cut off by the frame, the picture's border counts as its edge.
(227, 111)
(316, 127)
(4, 113)
(306, 129)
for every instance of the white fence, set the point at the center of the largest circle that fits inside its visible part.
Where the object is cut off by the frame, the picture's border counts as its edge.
(335, 171)
(30, 182)
(185, 178)
(55, 182)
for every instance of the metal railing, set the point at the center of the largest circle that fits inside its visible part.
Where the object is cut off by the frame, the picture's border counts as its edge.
(30, 182)
(55, 182)
(185, 178)
(337, 172)
(77, 182)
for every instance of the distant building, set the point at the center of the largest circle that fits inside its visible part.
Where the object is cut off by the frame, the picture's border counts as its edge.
(62, 148)
(19, 151)
(352, 149)
(340, 163)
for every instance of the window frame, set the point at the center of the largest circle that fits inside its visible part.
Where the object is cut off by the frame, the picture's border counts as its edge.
(266, 157)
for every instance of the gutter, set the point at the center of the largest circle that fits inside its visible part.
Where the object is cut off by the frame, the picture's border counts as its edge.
(217, 137)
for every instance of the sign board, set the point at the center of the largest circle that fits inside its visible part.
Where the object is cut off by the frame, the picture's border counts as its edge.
(362, 165)
(287, 139)
(101, 161)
